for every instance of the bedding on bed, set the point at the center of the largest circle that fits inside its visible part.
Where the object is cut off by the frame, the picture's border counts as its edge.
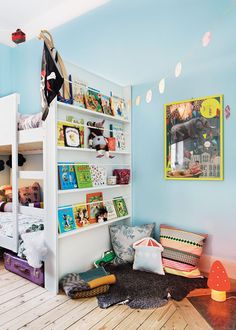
(29, 121)
(26, 223)
(31, 236)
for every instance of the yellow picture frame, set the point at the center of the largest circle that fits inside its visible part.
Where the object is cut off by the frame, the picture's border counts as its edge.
(193, 139)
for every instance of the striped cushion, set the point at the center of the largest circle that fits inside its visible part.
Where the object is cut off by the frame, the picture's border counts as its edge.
(182, 251)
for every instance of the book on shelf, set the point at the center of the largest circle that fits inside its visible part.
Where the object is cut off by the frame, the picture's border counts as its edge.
(81, 217)
(67, 177)
(94, 202)
(117, 131)
(79, 89)
(71, 136)
(77, 123)
(118, 107)
(83, 175)
(61, 132)
(106, 105)
(111, 212)
(120, 207)
(99, 175)
(93, 100)
(66, 221)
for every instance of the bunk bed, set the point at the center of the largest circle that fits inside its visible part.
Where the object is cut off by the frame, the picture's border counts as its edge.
(74, 251)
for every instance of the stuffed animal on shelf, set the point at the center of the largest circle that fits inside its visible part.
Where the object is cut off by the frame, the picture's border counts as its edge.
(97, 140)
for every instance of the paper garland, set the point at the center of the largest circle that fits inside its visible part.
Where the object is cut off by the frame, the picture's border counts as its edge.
(149, 96)
(162, 86)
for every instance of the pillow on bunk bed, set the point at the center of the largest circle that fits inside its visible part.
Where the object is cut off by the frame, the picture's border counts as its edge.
(30, 194)
(182, 251)
(29, 121)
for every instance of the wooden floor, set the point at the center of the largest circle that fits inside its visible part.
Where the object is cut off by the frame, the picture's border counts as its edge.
(24, 305)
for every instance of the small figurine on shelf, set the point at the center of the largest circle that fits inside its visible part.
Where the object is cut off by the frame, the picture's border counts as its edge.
(96, 139)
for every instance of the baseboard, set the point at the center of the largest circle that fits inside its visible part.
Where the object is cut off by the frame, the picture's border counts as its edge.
(207, 260)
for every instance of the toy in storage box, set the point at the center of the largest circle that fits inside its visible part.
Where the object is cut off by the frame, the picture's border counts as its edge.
(21, 267)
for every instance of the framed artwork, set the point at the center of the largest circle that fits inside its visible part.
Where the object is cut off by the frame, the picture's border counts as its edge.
(194, 139)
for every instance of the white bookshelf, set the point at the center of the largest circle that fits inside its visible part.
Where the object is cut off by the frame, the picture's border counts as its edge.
(75, 251)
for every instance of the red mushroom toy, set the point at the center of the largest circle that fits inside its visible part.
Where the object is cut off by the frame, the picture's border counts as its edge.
(218, 282)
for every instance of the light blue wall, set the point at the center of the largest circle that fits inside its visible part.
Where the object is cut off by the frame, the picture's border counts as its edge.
(205, 207)
(6, 86)
(136, 41)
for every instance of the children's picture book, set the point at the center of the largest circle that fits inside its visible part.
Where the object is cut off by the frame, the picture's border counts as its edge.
(106, 105)
(99, 175)
(79, 89)
(120, 206)
(60, 133)
(66, 221)
(118, 107)
(81, 217)
(93, 100)
(83, 175)
(77, 123)
(67, 177)
(110, 210)
(97, 201)
(117, 131)
(71, 136)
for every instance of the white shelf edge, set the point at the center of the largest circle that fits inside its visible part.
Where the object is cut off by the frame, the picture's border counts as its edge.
(90, 112)
(91, 150)
(31, 175)
(102, 187)
(92, 226)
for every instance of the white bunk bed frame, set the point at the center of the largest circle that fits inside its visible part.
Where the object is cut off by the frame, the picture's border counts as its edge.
(73, 251)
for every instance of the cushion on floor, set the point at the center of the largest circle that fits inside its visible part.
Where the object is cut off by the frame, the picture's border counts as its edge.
(182, 251)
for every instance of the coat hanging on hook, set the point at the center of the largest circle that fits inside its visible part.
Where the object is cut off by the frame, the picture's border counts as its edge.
(53, 73)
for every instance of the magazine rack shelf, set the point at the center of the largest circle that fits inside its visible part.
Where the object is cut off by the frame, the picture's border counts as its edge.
(81, 110)
(93, 227)
(75, 251)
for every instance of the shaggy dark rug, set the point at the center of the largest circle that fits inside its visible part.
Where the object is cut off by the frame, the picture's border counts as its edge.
(146, 290)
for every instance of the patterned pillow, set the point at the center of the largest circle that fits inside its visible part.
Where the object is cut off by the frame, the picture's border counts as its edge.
(182, 251)
(148, 256)
(123, 237)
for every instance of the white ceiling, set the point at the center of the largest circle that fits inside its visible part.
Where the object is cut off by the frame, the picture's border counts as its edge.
(33, 15)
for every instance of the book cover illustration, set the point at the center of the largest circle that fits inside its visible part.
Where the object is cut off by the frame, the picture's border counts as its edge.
(60, 133)
(97, 201)
(77, 123)
(66, 221)
(120, 207)
(93, 100)
(81, 217)
(99, 175)
(111, 212)
(79, 89)
(118, 107)
(106, 105)
(67, 177)
(83, 175)
(117, 131)
(71, 136)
